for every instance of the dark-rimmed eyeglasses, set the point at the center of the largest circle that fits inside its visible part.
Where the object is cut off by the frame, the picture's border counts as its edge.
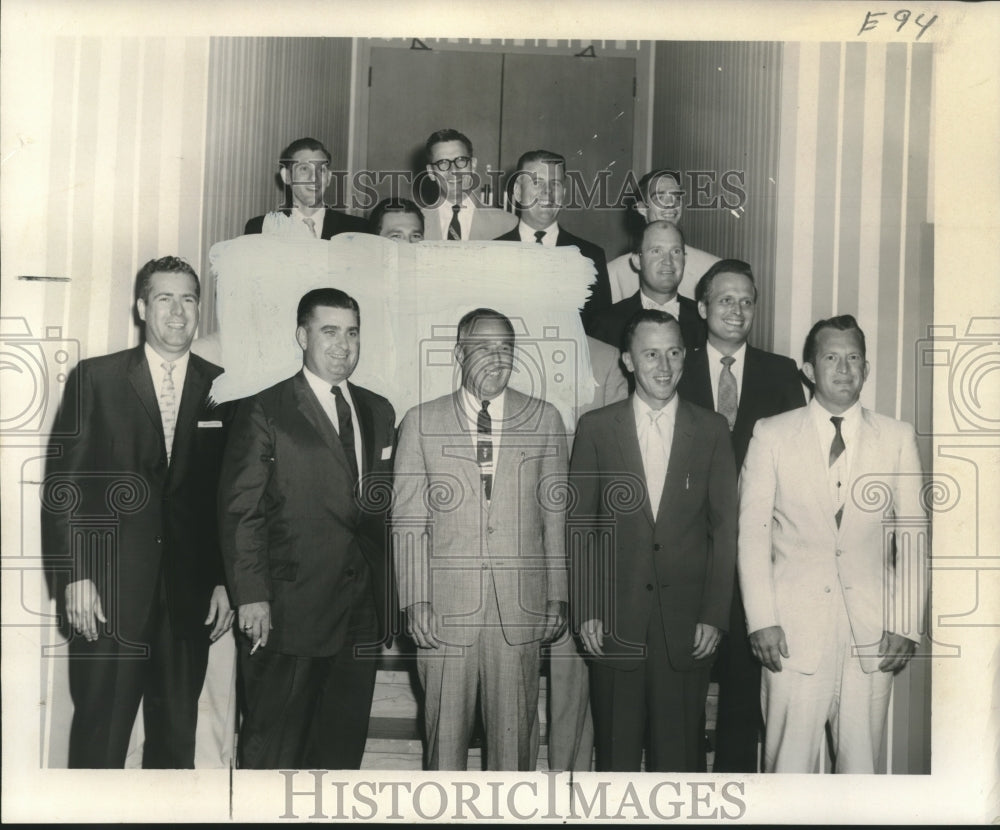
(459, 163)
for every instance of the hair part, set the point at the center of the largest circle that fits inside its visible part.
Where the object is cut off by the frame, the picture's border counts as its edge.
(471, 319)
(168, 265)
(645, 315)
(326, 297)
(703, 290)
(843, 322)
(399, 205)
(446, 135)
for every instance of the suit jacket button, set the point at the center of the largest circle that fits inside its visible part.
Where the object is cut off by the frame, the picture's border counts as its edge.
(827, 589)
(656, 546)
(159, 540)
(649, 587)
(485, 565)
(839, 552)
(489, 530)
(349, 572)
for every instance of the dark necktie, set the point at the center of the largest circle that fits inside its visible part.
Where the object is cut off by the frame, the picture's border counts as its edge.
(728, 403)
(484, 448)
(836, 450)
(539, 236)
(346, 429)
(454, 228)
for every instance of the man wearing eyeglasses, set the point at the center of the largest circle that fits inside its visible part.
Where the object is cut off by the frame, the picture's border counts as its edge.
(304, 169)
(459, 214)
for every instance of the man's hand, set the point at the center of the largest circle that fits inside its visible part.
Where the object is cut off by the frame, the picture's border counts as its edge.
(255, 622)
(896, 651)
(220, 611)
(422, 624)
(83, 605)
(768, 645)
(555, 611)
(592, 634)
(706, 640)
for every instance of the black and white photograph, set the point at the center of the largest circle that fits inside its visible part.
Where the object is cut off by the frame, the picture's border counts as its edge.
(570, 413)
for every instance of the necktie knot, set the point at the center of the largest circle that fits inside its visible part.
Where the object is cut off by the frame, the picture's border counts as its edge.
(728, 361)
(539, 236)
(837, 446)
(454, 226)
(168, 369)
(455, 209)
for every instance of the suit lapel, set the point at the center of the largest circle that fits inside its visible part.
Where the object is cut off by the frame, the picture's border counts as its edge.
(457, 440)
(628, 444)
(142, 383)
(364, 413)
(864, 458)
(192, 396)
(680, 451)
(329, 219)
(317, 417)
(700, 381)
(814, 467)
(752, 380)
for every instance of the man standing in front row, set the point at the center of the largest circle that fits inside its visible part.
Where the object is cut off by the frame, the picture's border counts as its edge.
(743, 384)
(304, 552)
(144, 607)
(653, 556)
(834, 602)
(479, 550)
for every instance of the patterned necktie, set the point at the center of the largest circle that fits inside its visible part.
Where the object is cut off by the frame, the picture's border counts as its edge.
(484, 448)
(654, 458)
(311, 224)
(539, 236)
(454, 228)
(168, 406)
(836, 450)
(346, 430)
(728, 403)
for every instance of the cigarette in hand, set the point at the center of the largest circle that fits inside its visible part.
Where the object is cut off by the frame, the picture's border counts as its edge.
(256, 645)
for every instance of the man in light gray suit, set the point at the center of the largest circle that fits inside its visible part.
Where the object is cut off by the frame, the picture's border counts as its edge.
(479, 550)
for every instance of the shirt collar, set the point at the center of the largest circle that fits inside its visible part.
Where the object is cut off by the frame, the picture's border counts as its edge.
(474, 404)
(321, 387)
(822, 416)
(715, 356)
(642, 409)
(673, 306)
(154, 359)
(527, 233)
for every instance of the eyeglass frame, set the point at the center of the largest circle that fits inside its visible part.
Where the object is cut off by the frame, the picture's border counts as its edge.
(451, 163)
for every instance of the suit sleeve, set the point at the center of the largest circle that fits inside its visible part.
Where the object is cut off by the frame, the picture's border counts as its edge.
(910, 566)
(243, 484)
(254, 225)
(600, 295)
(554, 469)
(411, 538)
(717, 596)
(586, 567)
(792, 396)
(758, 487)
(69, 457)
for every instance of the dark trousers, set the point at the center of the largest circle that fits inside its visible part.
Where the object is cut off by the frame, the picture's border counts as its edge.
(110, 676)
(652, 705)
(739, 721)
(309, 712)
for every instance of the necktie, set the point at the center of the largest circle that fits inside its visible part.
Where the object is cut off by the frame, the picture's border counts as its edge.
(311, 224)
(654, 457)
(728, 403)
(484, 448)
(454, 228)
(836, 450)
(539, 236)
(346, 430)
(168, 406)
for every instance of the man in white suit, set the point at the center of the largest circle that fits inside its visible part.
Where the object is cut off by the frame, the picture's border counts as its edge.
(479, 550)
(834, 601)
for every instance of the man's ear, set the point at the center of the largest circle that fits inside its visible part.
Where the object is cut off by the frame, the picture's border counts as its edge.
(300, 337)
(636, 261)
(286, 175)
(627, 360)
(864, 374)
(140, 307)
(459, 354)
(809, 372)
(642, 210)
(702, 310)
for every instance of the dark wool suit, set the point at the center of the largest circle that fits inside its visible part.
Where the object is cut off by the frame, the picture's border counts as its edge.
(298, 533)
(770, 386)
(600, 289)
(651, 580)
(609, 325)
(334, 222)
(154, 566)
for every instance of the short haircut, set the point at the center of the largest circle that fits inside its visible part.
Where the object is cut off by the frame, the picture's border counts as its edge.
(647, 182)
(393, 206)
(547, 156)
(843, 322)
(468, 322)
(645, 315)
(166, 264)
(328, 297)
(447, 134)
(659, 223)
(288, 154)
(723, 266)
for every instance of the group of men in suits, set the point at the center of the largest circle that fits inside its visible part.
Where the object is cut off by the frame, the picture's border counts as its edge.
(303, 547)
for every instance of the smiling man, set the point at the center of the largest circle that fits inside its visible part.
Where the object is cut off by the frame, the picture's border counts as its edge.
(142, 608)
(834, 603)
(304, 548)
(653, 551)
(659, 260)
(479, 550)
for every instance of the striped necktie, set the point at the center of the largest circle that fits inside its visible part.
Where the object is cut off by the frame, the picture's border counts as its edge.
(168, 406)
(836, 450)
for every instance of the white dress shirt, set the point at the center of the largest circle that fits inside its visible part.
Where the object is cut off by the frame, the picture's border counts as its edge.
(298, 218)
(654, 445)
(466, 210)
(527, 233)
(156, 370)
(715, 369)
(670, 306)
(329, 403)
(839, 475)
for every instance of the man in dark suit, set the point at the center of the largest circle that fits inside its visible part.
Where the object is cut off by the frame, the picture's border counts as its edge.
(302, 525)
(743, 384)
(659, 260)
(148, 446)
(655, 484)
(538, 190)
(304, 168)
